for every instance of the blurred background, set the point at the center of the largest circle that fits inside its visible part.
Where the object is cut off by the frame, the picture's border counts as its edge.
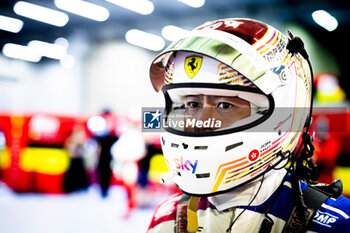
(73, 80)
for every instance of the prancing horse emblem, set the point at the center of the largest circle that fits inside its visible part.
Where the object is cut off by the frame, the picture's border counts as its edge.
(192, 65)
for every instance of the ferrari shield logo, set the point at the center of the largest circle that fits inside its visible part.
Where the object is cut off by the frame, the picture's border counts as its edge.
(192, 65)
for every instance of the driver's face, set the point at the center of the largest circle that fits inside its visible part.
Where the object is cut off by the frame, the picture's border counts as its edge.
(228, 110)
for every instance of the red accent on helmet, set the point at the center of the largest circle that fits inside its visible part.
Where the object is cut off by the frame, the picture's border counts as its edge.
(248, 30)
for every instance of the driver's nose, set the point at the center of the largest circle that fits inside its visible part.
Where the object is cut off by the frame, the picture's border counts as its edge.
(206, 113)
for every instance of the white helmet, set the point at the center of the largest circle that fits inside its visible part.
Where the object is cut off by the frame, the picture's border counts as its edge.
(245, 63)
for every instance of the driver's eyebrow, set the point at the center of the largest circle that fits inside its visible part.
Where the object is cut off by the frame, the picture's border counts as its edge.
(235, 99)
(228, 97)
(192, 96)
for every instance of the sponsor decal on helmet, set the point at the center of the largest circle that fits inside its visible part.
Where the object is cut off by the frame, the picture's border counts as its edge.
(187, 165)
(253, 155)
(277, 50)
(192, 65)
(264, 147)
(282, 122)
(169, 73)
(230, 76)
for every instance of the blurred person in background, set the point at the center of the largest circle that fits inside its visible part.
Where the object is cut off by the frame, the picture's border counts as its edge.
(145, 164)
(328, 93)
(2, 145)
(327, 150)
(238, 109)
(328, 90)
(127, 152)
(76, 177)
(105, 142)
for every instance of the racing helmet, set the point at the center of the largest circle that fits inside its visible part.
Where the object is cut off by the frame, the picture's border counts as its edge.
(237, 99)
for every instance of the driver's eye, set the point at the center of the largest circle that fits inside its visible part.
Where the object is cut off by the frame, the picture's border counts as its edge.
(193, 104)
(224, 105)
(179, 107)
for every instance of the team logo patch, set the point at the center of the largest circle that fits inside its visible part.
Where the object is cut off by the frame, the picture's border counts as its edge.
(192, 65)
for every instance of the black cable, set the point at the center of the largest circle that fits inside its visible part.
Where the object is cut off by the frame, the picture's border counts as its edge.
(283, 155)
(267, 223)
(256, 194)
(296, 45)
(312, 95)
(305, 150)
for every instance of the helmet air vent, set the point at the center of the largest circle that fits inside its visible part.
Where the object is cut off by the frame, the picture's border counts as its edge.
(232, 146)
(203, 175)
(174, 145)
(201, 147)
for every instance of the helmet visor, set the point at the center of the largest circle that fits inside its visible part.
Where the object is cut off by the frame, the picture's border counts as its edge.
(205, 111)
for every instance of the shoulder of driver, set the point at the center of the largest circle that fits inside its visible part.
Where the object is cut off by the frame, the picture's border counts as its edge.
(333, 215)
(164, 216)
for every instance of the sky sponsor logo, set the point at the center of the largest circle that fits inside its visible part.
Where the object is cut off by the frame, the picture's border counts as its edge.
(186, 165)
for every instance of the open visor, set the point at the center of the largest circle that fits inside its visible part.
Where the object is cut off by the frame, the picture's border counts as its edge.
(211, 109)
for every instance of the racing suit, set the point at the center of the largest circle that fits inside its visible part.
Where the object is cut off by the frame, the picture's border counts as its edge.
(217, 213)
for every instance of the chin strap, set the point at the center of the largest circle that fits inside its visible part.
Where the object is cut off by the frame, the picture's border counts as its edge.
(186, 214)
(192, 218)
